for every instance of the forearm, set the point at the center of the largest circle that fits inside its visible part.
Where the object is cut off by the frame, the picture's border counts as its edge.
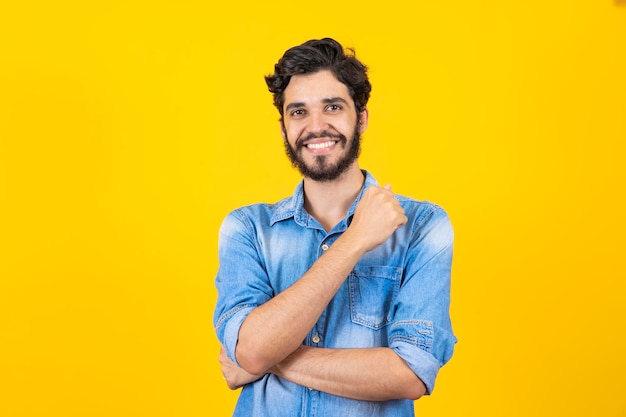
(275, 329)
(373, 374)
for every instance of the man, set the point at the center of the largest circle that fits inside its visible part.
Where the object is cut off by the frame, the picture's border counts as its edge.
(334, 301)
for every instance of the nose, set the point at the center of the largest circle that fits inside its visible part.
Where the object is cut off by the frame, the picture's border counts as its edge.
(317, 122)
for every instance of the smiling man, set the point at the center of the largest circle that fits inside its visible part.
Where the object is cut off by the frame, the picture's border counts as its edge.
(317, 125)
(335, 300)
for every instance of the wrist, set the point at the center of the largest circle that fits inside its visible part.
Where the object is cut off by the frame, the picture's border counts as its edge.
(351, 244)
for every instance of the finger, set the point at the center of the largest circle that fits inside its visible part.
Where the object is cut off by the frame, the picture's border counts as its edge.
(387, 187)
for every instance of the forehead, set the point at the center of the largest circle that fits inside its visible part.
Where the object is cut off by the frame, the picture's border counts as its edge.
(314, 88)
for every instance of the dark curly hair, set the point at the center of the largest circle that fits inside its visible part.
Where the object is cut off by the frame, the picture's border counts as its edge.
(316, 55)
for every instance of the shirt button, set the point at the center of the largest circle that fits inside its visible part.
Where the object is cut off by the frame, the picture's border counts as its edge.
(324, 247)
(316, 338)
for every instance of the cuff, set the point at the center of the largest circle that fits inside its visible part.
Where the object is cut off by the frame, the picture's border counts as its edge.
(228, 332)
(412, 341)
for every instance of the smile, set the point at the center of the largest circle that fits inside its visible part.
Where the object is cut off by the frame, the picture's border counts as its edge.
(322, 145)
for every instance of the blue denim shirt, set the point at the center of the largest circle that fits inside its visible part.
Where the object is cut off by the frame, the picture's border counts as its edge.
(397, 296)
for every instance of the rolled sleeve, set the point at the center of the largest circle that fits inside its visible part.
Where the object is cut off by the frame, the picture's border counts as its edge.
(421, 332)
(413, 341)
(228, 329)
(241, 280)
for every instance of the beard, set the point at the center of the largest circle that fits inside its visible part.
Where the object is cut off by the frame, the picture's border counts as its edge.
(321, 169)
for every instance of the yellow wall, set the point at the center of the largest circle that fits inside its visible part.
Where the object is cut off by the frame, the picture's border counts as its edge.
(127, 132)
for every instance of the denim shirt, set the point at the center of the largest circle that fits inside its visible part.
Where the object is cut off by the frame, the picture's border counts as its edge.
(397, 296)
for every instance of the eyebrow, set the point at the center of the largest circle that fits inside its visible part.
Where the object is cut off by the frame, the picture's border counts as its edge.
(334, 100)
(329, 100)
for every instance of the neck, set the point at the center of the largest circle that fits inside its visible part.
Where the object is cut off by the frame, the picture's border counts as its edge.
(329, 201)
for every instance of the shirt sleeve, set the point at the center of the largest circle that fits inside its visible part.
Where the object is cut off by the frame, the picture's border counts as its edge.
(242, 282)
(421, 332)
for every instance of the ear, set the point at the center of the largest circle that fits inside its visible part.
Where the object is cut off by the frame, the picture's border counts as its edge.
(363, 120)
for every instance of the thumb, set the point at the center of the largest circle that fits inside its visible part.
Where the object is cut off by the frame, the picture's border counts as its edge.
(387, 187)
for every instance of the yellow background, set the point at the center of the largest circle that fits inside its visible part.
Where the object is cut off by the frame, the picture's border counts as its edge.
(129, 129)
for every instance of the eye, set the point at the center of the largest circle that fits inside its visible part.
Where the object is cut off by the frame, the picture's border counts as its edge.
(333, 107)
(297, 113)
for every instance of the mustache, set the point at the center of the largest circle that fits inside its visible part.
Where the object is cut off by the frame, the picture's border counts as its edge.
(322, 134)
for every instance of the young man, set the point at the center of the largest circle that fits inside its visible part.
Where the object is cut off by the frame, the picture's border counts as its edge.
(334, 301)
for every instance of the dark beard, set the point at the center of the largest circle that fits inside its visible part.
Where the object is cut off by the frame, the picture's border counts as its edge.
(321, 170)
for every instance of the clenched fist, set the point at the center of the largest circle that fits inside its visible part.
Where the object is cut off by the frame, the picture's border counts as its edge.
(376, 217)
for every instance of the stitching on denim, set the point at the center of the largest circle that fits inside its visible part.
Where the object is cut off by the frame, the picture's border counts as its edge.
(427, 323)
(244, 220)
(425, 330)
(419, 221)
(231, 313)
(399, 338)
(375, 272)
(254, 237)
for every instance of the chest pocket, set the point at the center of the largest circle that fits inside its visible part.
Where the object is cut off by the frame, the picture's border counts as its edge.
(373, 290)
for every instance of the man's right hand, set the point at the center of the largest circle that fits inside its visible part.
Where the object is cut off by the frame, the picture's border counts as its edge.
(376, 217)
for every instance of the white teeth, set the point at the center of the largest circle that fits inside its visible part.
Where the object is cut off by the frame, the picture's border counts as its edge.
(321, 145)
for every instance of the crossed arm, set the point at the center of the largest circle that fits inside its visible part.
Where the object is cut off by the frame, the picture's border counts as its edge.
(373, 374)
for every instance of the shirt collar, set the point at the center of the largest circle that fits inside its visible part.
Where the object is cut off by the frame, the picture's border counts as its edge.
(294, 206)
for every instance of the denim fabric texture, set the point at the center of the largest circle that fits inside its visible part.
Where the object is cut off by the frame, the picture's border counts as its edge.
(397, 296)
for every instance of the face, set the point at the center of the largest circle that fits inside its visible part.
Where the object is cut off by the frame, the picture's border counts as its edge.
(320, 126)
